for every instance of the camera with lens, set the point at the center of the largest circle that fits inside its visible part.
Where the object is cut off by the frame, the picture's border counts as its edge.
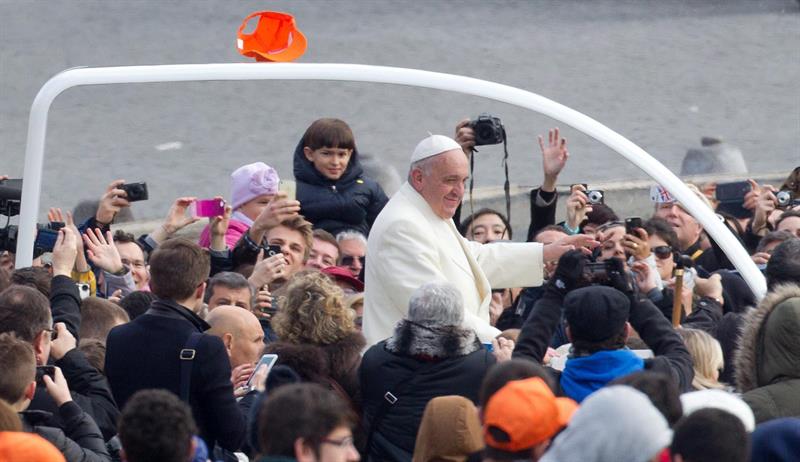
(595, 196)
(488, 130)
(46, 235)
(135, 191)
(786, 199)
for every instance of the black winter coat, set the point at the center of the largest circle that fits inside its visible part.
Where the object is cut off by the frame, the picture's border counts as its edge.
(145, 354)
(416, 365)
(78, 437)
(88, 387)
(351, 202)
(671, 356)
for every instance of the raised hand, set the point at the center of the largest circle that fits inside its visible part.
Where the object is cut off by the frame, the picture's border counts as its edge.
(465, 136)
(55, 214)
(57, 387)
(263, 303)
(63, 343)
(267, 270)
(751, 198)
(218, 227)
(637, 244)
(102, 251)
(175, 220)
(111, 203)
(279, 209)
(554, 158)
(765, 204)
(64, 252)
(577, 206)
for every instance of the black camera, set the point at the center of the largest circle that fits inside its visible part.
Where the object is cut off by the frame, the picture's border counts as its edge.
(135, 191)
(488, 130)
(596, 196)
(272, 250)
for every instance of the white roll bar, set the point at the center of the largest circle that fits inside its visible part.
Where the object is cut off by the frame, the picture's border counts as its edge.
(37, 127)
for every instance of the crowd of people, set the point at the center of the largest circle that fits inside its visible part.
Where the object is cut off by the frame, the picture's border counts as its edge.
(396, 330)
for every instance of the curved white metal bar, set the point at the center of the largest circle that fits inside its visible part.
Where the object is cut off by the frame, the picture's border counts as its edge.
(34, 154)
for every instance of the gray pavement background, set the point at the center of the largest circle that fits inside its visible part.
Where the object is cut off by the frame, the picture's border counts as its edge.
(662, 73)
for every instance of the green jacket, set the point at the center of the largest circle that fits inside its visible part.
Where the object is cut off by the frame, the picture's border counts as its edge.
(768, 359)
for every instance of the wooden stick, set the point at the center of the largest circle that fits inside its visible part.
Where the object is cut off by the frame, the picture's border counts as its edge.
(677, 307)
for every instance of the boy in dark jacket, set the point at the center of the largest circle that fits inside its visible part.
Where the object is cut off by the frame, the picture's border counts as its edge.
(597, 319)
(80, 440)
(333, 192)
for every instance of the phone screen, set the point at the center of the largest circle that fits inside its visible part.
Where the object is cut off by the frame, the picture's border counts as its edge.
(262, 368)
(290, 188)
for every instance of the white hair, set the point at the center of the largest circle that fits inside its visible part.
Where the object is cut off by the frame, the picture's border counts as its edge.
(436, 303)
(351, 234)
(425, 165)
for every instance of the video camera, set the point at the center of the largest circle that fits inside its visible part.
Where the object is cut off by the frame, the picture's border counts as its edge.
(10, 198)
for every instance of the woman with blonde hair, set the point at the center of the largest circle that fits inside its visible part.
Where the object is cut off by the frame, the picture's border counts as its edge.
(707, 357)
(317, 335)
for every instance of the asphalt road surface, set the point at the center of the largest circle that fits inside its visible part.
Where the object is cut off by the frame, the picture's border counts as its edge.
(662, 73)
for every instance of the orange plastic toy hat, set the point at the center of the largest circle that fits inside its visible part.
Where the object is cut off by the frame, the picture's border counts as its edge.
(276, 38)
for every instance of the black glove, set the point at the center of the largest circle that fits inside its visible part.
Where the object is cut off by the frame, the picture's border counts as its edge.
(618, 277)
(569, 272)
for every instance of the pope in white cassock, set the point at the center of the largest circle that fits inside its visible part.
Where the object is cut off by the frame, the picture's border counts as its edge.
(414, 241)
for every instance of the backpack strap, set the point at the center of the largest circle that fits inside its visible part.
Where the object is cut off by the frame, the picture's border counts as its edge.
(187, 355)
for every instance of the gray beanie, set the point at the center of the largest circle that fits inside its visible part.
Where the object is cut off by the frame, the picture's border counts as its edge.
(436, 304)
(615, 423)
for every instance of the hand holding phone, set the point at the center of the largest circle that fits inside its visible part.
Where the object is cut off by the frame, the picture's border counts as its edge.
(631, 224)
(57, 386)
(257, 380)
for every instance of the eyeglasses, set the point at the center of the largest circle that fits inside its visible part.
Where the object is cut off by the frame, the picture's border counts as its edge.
(51, 333)
(344, 443)
(348, 260)
(663, 252)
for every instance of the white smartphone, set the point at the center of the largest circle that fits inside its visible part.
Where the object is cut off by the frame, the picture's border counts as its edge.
(266, 362)
(289, 187)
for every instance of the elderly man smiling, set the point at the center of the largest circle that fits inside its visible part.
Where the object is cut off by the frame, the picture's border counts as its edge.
(414, 241)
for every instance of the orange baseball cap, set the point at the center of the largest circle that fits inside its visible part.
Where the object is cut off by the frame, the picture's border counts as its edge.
(523, 414)
(276, 38)
(27, 446)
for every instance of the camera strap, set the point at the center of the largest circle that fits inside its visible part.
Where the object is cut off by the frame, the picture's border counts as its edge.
(506, 185)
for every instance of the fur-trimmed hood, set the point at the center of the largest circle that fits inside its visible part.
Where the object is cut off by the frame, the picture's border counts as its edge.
(413, 339)
(769, 348)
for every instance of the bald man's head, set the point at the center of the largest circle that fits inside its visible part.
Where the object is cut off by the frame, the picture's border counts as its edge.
(240, 331)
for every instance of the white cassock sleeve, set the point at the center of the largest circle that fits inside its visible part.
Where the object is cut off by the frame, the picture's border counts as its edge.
(510, 264)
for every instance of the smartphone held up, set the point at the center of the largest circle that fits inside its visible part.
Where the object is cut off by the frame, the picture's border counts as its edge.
(208, 208)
